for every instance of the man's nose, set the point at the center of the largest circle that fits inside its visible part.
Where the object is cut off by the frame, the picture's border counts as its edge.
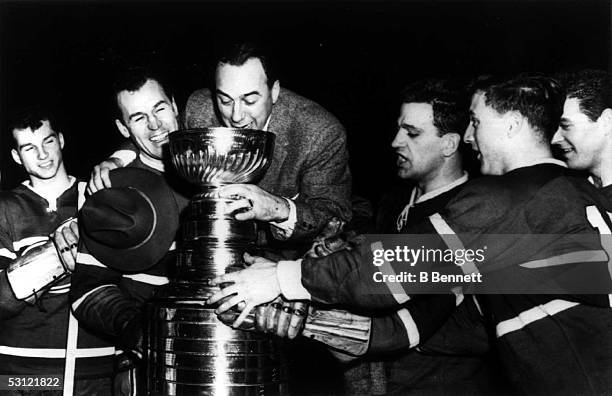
(399, 140)
(43, 153)
(469, 135)
(557, 137)
(154, 122)
(237, 113)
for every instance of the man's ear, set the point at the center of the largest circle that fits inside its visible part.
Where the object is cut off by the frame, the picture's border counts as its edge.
(174, 106)
(275, 91)
(15, 156)
(605, 118)
(60, 137)
(122, 128)
(450, 145)
(515, 123)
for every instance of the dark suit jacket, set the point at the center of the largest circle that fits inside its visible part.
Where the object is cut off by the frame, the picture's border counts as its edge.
(310, 157)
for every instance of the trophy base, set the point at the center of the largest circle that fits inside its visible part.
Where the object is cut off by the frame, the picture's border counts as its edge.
(190, 352)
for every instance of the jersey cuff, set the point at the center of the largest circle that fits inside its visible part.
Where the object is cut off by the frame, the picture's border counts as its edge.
(125, 156)
(289, 275)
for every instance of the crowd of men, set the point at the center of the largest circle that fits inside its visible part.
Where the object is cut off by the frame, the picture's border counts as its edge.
(72, 297)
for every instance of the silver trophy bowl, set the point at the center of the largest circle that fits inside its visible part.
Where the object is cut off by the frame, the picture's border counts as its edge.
(216, 156)
(188, 350)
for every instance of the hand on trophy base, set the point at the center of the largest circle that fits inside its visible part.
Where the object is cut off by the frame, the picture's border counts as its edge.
(282, 318)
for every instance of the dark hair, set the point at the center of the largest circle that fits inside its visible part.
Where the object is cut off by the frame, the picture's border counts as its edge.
(450, 110)
(132, 78)
(237, 54)
(538, 98)
(30, 117)
(592, 88)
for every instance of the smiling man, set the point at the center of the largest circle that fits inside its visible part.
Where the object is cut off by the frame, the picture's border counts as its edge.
(104, 297)
(146, 115)
(585, 132)
(44, 338)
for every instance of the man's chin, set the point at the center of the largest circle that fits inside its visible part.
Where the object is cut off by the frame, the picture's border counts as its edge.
(405, 174)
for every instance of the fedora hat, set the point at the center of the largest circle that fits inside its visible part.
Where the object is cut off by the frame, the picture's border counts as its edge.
(130, 226)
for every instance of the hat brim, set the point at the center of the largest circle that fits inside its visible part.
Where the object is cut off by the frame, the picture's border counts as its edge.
(147, 254)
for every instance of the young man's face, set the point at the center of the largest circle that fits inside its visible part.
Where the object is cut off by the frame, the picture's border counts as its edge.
(39, 151)
(580, 140)
(243, 96)
(148, 117)
(418, 145)
(487, 134)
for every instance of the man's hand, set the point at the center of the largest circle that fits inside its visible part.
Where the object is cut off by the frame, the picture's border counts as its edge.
(66, 239)
(254, 285)
(99, 176)
(253, 203)
(281, 317)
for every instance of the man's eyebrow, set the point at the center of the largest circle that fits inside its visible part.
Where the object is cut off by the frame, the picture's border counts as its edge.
(565, 121)
(160, 103)
(134, 115)
(22, 146)
(220, 92)
(410, 127)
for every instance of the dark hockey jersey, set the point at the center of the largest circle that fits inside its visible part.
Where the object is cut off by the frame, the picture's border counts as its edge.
(35, 340)
(548, 343)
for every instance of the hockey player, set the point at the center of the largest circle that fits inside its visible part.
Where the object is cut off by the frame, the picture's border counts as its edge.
(585, 131)
(113, 287)
(38, 334)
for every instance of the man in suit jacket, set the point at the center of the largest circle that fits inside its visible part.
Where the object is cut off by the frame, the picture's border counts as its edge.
(308, 181)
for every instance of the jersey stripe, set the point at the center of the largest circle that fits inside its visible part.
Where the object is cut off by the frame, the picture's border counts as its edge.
(410, 325)
(395, 288)
(71, 348)
(531, 315)
(88, 259)
(4, 252)
(18, 245)
(451, 239)
(150, 279)
(584, 256)
(55, 353)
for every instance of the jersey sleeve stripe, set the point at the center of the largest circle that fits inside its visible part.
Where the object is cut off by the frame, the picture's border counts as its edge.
(411, 327)
(451, 239)
(4, 252)
(395, 288)
(88, 259)
(18, 245)
(531, 315)
(150, 279)
(585, 256)
(81, 197)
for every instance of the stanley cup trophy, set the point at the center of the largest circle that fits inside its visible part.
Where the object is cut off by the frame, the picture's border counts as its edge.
(188, 350)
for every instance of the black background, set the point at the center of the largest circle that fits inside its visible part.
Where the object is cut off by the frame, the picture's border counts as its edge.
(351, 57)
